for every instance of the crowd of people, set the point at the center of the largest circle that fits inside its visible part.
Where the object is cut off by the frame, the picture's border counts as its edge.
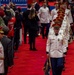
(56, 25)
(10, 30)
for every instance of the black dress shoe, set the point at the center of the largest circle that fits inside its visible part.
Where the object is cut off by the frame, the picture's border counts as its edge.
(43, 37)
(34, 49)
(25, 42)
(31, 49)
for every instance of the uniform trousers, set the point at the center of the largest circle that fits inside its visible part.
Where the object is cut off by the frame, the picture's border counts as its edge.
(57, 65)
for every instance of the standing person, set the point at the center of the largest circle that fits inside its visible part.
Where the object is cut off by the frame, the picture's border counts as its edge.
(36, 5)
(8, 53)
(72, 9)
(33, 18)
(70, 21)
(44, 16)
(55, 49)
(26, 22)
(72, 12)
(17, 27)
(8, 15)
(55, 10)
(1, 57)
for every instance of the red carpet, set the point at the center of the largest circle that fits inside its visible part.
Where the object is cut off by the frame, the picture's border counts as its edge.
(31, 62)
(70, 61)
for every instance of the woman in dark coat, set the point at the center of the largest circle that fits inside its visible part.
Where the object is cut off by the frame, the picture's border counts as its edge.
(33, 27)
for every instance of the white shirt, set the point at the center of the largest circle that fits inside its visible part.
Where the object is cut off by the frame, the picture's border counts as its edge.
(55, 46)
(68, 13)
(44, 15)
(54, 13)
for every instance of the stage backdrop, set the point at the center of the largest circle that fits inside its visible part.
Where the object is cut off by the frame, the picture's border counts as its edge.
(4, 1)
(21, 3)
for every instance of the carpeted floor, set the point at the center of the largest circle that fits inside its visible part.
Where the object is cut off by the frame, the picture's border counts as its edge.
(31, 62)
(70, 61)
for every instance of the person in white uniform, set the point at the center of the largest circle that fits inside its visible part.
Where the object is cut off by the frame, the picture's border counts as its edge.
(44, 16)
(55, 49)
(55, 10)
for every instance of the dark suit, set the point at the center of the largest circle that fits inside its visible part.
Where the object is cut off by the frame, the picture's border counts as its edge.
(17, 27)
(26, 23)
(8, 54)
(37, 7)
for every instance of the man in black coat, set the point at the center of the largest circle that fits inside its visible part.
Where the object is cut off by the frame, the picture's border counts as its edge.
(17, 27)
(36, 5)
(26, 22)
(8, 54)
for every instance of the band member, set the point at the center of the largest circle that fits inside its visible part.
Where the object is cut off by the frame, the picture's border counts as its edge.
(55, 10)
(55, 51)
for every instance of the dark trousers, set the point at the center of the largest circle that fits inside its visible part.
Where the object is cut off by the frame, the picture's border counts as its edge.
(45, 33)
(2, 74)
(32, 37)
(72, 27)
(12, 39)
(16, 38)
(5, 70)
(26, 30)
(57, 65)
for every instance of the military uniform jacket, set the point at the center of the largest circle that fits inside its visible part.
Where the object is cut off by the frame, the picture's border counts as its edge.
(55, 46)
(54, 13)
(1, 58)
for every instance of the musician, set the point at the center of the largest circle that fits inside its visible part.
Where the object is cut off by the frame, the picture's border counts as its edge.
(55, 49)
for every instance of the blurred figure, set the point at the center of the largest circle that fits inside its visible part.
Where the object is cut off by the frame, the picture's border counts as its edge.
(8, 15)
(17, 27)
(13, 6)
(72, 9)
(26, 22)
(55, 10)
(2, 13)
(1, 57)
(72, 12)
(55, 49)
(8, 53)
(36, 5)
(44, 16)
(11, 10)
(33, 27)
